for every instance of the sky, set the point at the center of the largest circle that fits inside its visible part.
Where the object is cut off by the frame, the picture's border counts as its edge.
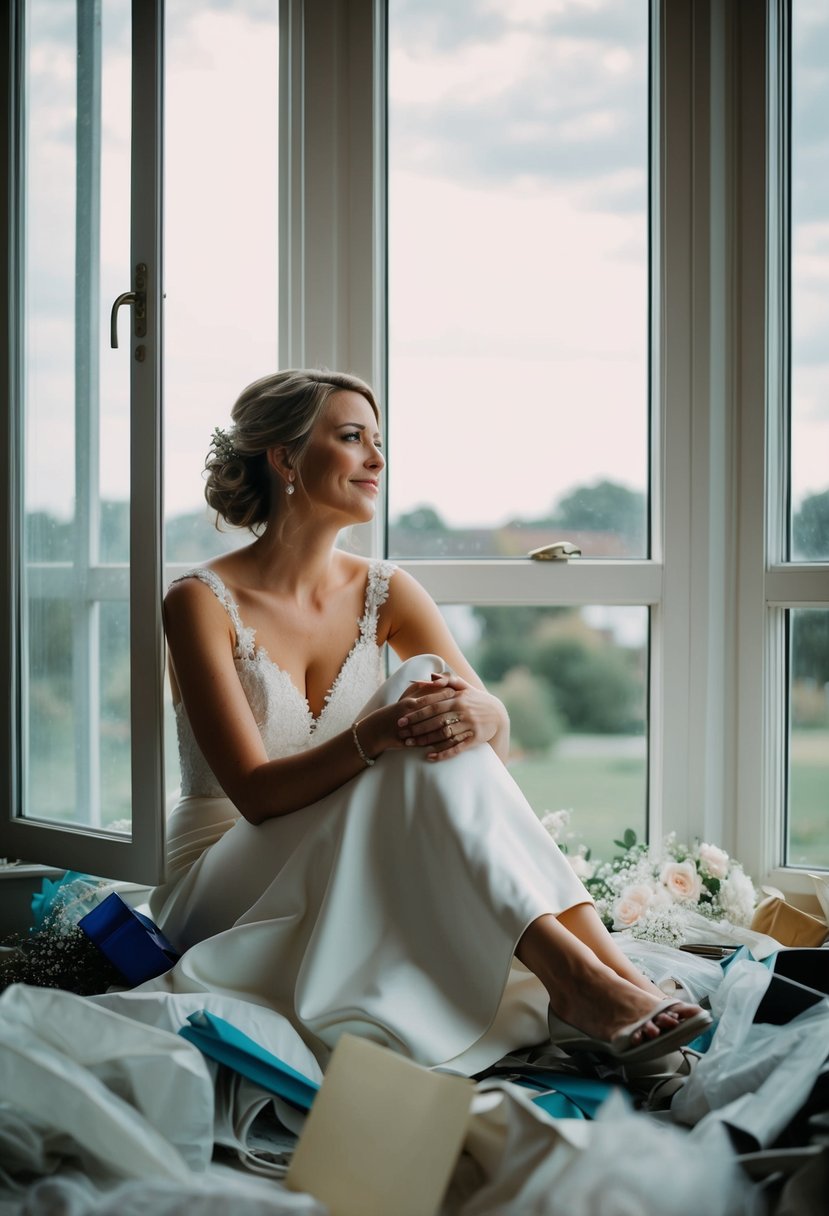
(517, 258)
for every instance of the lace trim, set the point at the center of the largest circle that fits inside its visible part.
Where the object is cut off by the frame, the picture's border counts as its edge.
(244, 647)
(377, 592)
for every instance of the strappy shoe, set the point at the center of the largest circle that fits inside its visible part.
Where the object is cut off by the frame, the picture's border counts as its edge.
(655, 1082)
(621, 1047)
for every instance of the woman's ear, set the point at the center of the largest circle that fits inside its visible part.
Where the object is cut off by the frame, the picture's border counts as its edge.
(278, 461)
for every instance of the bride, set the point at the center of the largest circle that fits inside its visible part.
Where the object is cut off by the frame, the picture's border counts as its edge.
(349, 850)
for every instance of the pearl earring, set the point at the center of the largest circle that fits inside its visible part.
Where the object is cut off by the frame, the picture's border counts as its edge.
(289, 488)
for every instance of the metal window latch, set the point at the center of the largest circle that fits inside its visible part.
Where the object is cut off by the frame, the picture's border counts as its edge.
(559, 551)
(138, 299)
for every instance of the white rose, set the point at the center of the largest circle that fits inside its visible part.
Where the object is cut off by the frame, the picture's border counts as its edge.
(580, 866)
(737, 897)
(714, 861)
(632, 902)
(681, 879)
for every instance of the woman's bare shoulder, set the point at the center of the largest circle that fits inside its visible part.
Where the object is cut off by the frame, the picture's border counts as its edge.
(193, 597)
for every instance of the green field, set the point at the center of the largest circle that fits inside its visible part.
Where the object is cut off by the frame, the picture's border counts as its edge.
(606, 792)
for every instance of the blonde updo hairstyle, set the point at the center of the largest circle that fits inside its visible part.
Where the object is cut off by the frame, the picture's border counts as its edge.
(280, 410)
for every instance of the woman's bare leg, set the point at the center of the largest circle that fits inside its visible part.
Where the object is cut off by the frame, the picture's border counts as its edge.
(584, 922)
(583, 984)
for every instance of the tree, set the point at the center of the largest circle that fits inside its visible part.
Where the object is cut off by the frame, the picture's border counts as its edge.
(595, 688)
(810, 528)
(421, 519)
(535, 723)
(605, 507)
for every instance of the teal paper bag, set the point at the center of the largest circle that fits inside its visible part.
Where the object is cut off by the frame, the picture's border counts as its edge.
(228, 1045)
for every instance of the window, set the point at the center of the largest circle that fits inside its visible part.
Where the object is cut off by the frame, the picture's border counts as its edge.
(694, 268)
(84, 630)
(807, 826)
(83, 437)
(519, 369)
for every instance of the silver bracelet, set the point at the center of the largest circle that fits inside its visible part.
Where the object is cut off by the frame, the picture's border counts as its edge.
(365, 759)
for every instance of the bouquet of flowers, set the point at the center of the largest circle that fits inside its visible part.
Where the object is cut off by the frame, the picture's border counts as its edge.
(56, 953)
(651, 889)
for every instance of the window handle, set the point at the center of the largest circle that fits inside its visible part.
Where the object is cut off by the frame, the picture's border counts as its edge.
(559, 551)
(138, 299)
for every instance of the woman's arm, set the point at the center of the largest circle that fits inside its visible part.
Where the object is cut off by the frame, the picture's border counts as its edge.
(416, 626)
(200, 642)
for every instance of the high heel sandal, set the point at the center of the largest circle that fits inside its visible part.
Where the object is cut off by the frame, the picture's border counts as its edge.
(621, 1047)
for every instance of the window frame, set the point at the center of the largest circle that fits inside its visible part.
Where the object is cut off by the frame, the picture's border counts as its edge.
(138, 857)
(769, 583)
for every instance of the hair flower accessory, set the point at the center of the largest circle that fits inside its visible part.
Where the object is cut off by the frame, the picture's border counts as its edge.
(653, 890)
(222, 445)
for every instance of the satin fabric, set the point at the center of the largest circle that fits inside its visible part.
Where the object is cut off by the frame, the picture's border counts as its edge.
(391, 908)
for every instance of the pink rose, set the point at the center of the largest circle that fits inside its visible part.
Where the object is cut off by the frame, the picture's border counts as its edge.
(632, 902)
(682, 880)
(713, 861)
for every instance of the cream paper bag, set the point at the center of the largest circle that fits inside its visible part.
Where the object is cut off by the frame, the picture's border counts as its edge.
(383, 1134)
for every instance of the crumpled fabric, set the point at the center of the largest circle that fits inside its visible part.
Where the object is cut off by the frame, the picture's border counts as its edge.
(622, 1164)
(754, 1076)
(127, 1100)
(237, 1101)
(218, 1193)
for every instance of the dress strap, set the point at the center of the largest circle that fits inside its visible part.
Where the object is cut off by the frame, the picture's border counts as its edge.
(377, 592)
(244, 648)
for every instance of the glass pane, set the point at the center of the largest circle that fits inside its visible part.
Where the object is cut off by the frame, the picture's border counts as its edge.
(114, 693)
(518, 277)
(575, 684)
(76, 397)
(221, 233)
(808, 827)
(810, 282)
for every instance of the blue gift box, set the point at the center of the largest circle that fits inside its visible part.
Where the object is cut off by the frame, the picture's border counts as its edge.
(131, 942)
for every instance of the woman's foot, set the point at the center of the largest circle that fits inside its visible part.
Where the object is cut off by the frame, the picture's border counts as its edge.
(589, 994)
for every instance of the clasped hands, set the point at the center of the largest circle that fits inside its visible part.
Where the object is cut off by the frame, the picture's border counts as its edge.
(445, 714)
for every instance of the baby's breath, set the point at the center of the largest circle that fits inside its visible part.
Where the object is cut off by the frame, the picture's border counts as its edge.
(651, 889)
(57, 954)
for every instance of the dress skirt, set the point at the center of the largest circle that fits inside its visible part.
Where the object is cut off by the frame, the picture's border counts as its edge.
(390, 909)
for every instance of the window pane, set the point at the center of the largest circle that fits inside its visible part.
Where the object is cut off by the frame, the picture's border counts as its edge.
(575, 684)
(518, 277)
(76, 393)
(220, 240)
(808, 829)
(114, 694)
(810, 281)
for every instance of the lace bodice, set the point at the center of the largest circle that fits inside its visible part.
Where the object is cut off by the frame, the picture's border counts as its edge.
(282, 713)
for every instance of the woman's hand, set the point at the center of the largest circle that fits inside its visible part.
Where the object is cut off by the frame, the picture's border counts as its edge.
(447, 715)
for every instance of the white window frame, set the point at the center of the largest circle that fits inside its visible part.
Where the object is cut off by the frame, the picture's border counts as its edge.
(769, 584)
(138, 857)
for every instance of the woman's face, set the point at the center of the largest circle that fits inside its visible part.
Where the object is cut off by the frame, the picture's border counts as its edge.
(343, 461)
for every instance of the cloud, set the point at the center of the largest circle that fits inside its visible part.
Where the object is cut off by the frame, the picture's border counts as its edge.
(523, 93)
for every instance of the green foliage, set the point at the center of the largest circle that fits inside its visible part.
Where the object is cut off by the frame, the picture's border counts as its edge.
(605, 507)
(535, 722)
(810, 645)
(596, 688)
(628, 840)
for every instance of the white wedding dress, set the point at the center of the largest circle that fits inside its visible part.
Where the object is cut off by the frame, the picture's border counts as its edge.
(392, 907)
